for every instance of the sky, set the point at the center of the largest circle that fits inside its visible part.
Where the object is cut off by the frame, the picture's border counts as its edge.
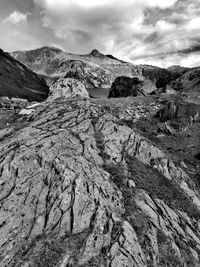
(155, 32)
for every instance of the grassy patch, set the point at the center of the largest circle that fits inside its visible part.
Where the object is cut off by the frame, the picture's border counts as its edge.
(157, 186)
(100, 144)
(48, 250)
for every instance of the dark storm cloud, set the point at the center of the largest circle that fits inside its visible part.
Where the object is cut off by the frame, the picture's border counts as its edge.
(190, 50)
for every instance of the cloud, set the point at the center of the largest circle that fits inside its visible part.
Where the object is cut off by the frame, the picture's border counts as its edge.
(164, 26)
(16, 17)
(194, 24)
(160, 3)
(160, 32)
(133, 30)
(98, 3)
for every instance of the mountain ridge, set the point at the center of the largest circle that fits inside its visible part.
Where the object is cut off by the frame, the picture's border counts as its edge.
(16, 80)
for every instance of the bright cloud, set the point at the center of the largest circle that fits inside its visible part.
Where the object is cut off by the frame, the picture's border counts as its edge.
(16, 17)
(164, 26)
(160, 3)
(194, 24)
(95, 3)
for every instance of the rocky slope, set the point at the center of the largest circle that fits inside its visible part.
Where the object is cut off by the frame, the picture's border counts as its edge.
(81, 186)
(16, 80)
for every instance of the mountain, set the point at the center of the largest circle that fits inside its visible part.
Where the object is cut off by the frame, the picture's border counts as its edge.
(177, 70)
(51, 61)
(16, 80)
(100, 182)
(96, 54)
(54, 62)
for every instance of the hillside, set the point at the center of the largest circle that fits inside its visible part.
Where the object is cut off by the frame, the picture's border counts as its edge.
(16, 80)
(52, 62)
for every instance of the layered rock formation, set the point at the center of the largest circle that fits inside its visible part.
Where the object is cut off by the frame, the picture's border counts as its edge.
(66, 88)
(18, 81)
(81, 188)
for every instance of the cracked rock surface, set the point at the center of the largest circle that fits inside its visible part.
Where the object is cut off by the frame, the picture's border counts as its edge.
(80, 188)
(67, 87)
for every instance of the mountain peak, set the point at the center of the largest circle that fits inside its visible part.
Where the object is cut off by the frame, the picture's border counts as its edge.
(50, 48)
(96, 53)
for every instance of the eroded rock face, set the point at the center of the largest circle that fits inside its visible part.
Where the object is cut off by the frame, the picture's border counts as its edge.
(91, 75)
(16, 80)
(66, 198)
(126, 86)
(67, 87)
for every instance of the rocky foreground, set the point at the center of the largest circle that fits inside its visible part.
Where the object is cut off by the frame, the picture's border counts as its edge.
(81, 186)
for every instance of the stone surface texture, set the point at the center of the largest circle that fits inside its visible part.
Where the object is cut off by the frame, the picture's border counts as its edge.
(71, 193)
(67, 87)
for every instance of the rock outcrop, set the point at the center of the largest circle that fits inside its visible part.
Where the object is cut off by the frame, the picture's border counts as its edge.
(91, 75)
(18, 81)
(179, 113)
(79, 187)
(126, 86)
(66, 88)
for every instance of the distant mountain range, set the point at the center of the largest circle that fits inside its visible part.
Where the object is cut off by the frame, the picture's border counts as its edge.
(95, 70)
(53, 62)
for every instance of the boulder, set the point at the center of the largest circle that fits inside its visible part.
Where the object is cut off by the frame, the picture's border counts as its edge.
(91, 75)
(67, 88)
(126, 86)
(179, 114)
